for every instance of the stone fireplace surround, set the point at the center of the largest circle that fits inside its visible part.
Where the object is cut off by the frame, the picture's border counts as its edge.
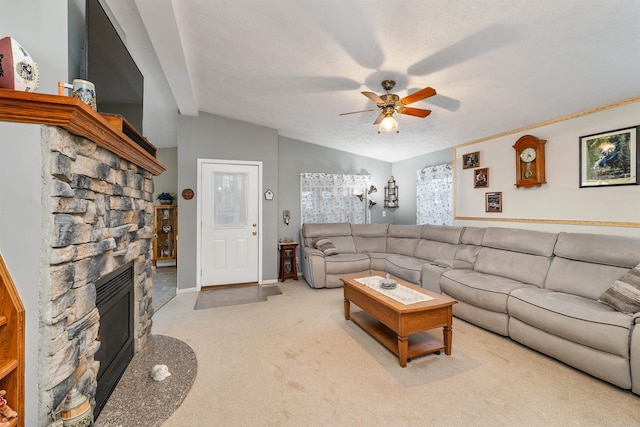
(99, 218)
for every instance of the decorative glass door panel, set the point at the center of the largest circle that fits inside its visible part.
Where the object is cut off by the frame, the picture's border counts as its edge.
(230, 200)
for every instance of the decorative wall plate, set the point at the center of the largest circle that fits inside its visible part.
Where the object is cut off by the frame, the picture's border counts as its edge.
(187, 194)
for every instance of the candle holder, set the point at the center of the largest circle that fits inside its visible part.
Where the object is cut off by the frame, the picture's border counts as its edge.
(391, 194)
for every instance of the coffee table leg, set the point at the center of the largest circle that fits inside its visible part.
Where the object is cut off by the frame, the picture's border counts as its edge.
(447, 340)
(403, 349)
(347, 306)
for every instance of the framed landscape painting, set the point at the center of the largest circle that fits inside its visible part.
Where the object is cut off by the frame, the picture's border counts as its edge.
(609, 158)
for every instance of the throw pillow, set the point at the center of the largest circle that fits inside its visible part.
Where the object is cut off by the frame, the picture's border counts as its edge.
(326, 246)
(624, 294)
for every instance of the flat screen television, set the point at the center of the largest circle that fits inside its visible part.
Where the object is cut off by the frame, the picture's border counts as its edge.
(109, 65)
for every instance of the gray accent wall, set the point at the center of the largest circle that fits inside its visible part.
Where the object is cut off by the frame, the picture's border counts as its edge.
(297, 157)
(167, 181)
(405, 174)
(213, 137)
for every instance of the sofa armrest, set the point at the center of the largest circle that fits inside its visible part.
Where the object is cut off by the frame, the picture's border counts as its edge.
(452, 263)
(636, 318)
(312, 264)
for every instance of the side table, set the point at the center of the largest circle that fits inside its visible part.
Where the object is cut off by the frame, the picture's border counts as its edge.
(288, 264)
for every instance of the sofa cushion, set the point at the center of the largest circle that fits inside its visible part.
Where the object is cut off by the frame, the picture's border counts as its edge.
(525, 241)
(403, 239)
(479, 289)
(326, 246)
(311, 233)
(346, 263)
(599, 249)
(585, 279)
(431, 250)
(442, 233)
(580, 320)
(405, 267)
(472, 235)
(624, 294)
(378, 260)
(370, 237)
(522, 267)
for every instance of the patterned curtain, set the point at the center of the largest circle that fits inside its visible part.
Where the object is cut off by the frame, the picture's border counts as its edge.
(326, 198)
(435, 195)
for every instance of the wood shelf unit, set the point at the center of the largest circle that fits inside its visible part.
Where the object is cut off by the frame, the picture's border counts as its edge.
(12, 347)
(165, 233)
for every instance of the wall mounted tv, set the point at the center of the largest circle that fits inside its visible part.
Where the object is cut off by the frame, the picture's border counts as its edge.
(108, 64)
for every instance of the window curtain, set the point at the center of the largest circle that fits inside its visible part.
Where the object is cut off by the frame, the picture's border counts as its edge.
(326, 198)
(435, 195)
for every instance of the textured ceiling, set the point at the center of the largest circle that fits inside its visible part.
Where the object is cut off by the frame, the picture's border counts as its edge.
(294, 65)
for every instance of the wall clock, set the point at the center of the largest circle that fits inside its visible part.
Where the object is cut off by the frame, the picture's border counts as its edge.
(530, 168)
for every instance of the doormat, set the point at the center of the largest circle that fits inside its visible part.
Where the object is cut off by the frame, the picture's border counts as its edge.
(212, 298)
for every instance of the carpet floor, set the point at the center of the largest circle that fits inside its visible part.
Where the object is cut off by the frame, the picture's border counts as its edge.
(234, 295)
(295, 361)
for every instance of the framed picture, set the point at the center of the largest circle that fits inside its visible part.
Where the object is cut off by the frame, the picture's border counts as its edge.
(481, 178)
(493, 202)
(609, 158)
(471, 160)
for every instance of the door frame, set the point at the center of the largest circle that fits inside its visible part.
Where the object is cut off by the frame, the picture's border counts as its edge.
(201, 162)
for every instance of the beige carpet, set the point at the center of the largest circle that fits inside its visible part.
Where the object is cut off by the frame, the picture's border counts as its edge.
(294, 361)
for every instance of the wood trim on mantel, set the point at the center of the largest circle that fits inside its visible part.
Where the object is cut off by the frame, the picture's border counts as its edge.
(76, 117)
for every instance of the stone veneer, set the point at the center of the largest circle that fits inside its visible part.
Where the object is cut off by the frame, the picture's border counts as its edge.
(97, 217)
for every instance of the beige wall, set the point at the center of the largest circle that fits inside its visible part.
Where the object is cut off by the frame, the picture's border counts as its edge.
(558, 205)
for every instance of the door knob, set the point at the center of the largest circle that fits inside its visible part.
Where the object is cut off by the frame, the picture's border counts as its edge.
(254, 233)
(254, 225)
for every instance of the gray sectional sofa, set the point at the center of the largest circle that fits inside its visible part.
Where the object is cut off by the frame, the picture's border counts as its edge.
(540, 289)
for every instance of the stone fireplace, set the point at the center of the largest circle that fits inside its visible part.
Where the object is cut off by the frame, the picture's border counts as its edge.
(98, 208)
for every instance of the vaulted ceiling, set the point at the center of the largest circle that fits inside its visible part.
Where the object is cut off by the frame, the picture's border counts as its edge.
(294, 65)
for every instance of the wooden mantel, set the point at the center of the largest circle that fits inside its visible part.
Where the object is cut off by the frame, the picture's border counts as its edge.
(76, 117)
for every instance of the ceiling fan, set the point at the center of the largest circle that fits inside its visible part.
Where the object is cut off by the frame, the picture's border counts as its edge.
(389, 103)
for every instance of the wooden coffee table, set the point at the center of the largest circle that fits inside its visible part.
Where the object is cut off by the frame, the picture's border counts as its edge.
(400, 327)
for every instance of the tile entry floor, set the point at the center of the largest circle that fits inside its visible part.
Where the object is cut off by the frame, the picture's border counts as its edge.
(164, 286)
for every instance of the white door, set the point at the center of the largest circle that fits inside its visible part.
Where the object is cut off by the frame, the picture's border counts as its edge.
(230, 219)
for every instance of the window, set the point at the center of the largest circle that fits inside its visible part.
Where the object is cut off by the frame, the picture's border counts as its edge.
(434, 191)
(326, 198)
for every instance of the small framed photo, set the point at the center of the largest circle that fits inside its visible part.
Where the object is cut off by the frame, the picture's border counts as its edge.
(493, 202)
(481, 178)
(471, 160)
(609, 158)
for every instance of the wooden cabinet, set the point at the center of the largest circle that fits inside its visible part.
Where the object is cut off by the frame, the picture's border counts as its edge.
(12, 326)
(288, 265)
(165, 229)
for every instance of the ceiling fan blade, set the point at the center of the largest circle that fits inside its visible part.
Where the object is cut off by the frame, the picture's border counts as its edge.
(417, 112)
(379, 119)
(361, 111)
(372, 96)
(419, 95)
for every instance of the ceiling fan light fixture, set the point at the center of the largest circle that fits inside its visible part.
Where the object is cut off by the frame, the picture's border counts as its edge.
(388, 124)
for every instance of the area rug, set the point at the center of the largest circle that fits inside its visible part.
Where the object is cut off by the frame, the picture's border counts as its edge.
(236, 295)
(139, 400)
